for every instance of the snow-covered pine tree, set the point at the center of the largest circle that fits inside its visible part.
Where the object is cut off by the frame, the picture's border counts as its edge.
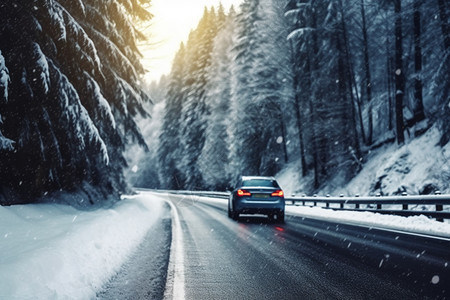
(297, 14)
(244, 136)
(213, 160)
(68, 125)
(321, 61)
(304, 38)
(194, 110)
(441, 79)
(372, 57)
(260, 72)
(367, 83)
(271, 89)
(399, 73)
(340, 124)
(419, 111)
(169, 151)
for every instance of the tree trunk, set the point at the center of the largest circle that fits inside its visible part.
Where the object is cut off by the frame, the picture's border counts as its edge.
(348, 127)
(313, 121)
(300, 135)
(298, 116)
(349, 76)
(283, 136)
(445, 27)
(389, 64)
(419, 113)
(399, 74)
(368, 79)
(313, 66)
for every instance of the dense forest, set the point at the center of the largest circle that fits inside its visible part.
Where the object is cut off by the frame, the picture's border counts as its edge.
(69, 91)
(321, 83)
(253, 89)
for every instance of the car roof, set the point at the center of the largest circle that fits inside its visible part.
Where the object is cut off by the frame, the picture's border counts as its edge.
(258, 177)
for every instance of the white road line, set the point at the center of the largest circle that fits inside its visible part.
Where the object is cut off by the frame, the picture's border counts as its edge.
(175, 277)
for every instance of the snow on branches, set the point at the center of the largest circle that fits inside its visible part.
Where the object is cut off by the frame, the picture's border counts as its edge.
(5, 143)
(4, 79)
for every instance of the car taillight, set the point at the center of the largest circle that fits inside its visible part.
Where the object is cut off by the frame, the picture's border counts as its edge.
(242, 193)
(278, 193)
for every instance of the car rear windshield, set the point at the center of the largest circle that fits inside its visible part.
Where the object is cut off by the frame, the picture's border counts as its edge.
(260, 182)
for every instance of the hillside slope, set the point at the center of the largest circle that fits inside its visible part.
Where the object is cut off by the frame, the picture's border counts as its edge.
(420, 166)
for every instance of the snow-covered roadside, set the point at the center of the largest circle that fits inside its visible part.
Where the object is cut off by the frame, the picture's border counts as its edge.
(416, 224)
(50, 251)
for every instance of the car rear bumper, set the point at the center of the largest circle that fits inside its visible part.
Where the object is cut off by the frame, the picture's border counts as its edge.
(259, 207)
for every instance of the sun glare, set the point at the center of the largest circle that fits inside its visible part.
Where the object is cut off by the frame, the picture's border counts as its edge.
(171, 24)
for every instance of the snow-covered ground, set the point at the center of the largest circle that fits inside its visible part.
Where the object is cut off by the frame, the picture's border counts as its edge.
(415, 224)
(51, 251)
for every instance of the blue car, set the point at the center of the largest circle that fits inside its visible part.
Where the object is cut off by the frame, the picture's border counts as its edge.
(257, 195)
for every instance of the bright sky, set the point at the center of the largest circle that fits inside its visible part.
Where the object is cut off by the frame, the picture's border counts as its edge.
(172, 22)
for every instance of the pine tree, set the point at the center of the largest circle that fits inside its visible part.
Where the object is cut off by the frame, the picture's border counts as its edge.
(245, 135)
(367, 77)
(271, 90)
(441, 88)
(68, 126)
(419, 111)
(323, 78)
(399, 73)
(194, 110)
(213, 160)
(169, 151)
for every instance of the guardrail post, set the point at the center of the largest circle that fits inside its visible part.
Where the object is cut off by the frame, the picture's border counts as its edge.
(357, 205)
(378, 204)
(439, 207)
(405, 206)
(327, 205)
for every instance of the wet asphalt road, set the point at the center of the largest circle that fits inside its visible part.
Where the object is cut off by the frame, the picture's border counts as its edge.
(301, 259)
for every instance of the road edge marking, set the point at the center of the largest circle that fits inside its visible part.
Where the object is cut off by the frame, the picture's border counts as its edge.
(174, 288)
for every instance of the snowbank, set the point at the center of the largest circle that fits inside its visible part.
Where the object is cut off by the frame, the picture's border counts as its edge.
(51, 251)
(415, 224)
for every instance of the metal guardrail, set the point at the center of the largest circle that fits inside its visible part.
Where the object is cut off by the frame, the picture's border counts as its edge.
(435, 203)
(222, 195)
